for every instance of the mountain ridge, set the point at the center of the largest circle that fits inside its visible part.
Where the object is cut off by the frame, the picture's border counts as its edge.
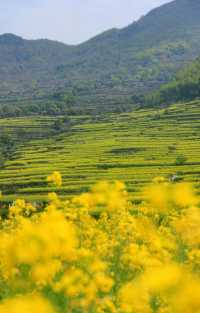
(132, 60)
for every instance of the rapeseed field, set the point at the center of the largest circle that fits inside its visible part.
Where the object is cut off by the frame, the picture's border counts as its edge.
(98, 252)
(131, 147)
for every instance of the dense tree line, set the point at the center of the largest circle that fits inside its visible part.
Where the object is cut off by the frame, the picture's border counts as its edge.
(56, 104)
(184, 87)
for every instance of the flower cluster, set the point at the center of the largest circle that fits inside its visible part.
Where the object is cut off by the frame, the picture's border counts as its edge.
(55, 178)
(99, 253)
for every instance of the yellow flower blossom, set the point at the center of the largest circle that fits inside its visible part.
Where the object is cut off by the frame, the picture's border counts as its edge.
(187, 225)
(103, 282)
(134, 298)
(99, 253)
(184, 195)
(55, 178)
(26, 304)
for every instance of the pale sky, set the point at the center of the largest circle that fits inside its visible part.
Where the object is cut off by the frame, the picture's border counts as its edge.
(69, 21)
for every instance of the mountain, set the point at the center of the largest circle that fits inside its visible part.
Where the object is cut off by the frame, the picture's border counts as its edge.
(185, 86)
(26, 63)
(118, 62)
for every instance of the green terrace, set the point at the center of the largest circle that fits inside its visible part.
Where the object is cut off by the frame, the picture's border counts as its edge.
(132, 147)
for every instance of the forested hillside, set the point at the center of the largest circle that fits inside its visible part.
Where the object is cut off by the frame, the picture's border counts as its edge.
(118, 64)
(185, 86)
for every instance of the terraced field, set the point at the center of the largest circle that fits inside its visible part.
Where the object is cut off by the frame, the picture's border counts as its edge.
(132, 147)
(29, 127)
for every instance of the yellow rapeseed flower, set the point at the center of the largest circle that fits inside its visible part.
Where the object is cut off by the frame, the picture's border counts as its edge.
(27, 304)
(99, 253)
(55, 178)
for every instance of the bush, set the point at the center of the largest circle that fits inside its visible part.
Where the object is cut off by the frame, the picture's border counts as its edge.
(172, 148)
(181, 160)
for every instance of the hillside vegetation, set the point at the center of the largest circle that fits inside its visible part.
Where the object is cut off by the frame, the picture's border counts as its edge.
(184, 87)
(117, 64)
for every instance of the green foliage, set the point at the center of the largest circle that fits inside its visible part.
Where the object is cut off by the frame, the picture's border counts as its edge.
(102, 73)
(58, 103)
(7, 147)
(181, 159)
(185, 87)
(62, 124)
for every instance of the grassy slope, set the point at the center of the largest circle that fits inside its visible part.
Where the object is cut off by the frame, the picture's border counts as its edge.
(142, 140)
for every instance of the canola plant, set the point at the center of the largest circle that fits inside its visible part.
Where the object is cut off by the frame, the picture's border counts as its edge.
(100, 253)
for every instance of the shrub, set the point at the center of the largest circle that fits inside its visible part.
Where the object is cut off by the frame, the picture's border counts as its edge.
(181, 160)
(172, 148)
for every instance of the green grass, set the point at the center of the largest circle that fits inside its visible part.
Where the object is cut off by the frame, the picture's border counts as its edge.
(132, 147)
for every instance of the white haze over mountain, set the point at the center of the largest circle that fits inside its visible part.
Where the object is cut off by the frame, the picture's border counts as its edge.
(69, 21)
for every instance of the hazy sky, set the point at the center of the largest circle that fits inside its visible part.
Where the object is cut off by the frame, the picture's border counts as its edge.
(70, 21)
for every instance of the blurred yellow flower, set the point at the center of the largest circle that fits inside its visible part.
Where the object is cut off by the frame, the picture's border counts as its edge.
(99, 253)
(55, 178)
(27, 304)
